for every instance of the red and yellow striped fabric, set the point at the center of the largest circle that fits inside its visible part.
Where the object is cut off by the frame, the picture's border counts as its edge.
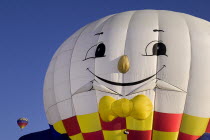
(91, 126)
(208, 127)
(164, 126)
(192, 127)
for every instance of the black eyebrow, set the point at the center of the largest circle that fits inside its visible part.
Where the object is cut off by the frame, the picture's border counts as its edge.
(156, 30)
(99, 33)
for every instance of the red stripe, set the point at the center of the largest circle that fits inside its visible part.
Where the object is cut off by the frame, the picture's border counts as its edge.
(167, 122)
(116, 124)
(22, 124)
(72, 126)
(208, 127)
(98, 135)
(183, 136)
(139, 135)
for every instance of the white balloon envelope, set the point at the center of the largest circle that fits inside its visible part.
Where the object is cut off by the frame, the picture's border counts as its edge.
(146, 73)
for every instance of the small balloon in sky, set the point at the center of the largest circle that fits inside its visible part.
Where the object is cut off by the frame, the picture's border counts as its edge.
(22, 122)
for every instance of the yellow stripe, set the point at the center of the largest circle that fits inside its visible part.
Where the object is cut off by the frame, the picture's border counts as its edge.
(22, 127)
(193, 125)
(59, 127)
(134, 124)
(160, 135)
(114, 135)
(89, 122)
(77, 137)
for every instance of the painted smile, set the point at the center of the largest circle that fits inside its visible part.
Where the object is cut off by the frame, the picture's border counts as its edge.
(126, 84)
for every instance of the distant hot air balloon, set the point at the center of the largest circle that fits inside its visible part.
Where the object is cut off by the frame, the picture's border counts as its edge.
(22, 122)
(137, 75)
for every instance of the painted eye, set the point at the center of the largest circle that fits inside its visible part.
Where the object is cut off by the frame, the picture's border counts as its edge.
(159, 49)
(100, 50)
(96, 51)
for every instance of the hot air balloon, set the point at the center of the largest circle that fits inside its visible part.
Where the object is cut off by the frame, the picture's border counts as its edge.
(22, 122)
(137, 75)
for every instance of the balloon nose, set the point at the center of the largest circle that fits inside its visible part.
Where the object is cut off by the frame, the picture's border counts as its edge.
(123, 64)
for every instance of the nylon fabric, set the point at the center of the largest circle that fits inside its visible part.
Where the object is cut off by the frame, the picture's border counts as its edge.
(89, 123)
(160, 135)
(59, 127)
(168, 54)
(193, 125)
(114, 135)
(133, 124)
(77, 137)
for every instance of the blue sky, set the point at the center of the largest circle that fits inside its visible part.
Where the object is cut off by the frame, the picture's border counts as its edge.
(30, 33)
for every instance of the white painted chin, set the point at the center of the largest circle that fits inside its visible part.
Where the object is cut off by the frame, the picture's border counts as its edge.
(150, 85)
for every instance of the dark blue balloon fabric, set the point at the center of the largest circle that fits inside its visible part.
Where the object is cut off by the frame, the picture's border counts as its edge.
(49, 135)
(205, 136)
(44, 135)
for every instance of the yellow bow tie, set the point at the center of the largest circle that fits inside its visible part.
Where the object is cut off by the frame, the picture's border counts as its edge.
(139, 108)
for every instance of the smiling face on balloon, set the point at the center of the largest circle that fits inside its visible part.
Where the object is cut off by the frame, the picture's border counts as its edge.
(124, 55)
(124, 64)
(127, 66)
